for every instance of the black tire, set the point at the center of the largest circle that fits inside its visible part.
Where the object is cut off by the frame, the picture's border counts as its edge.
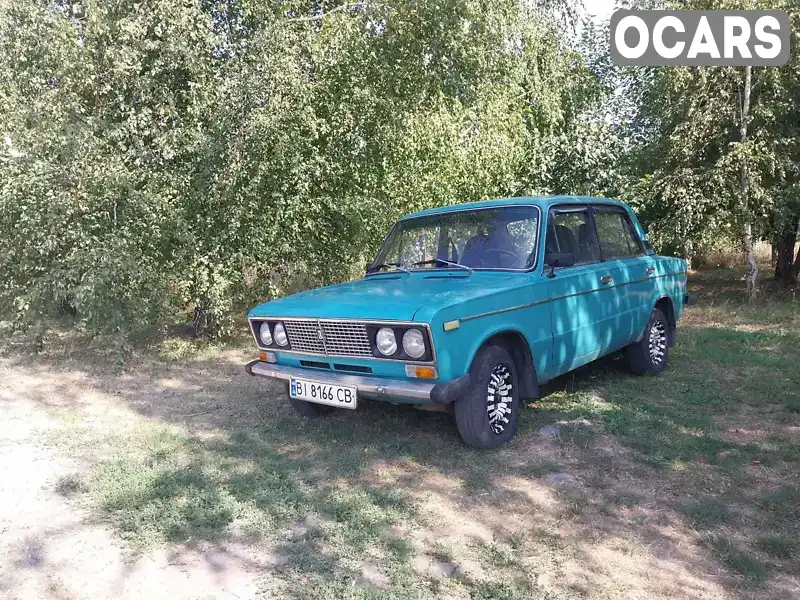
(649, 355)
(309, 409)
(479, 427)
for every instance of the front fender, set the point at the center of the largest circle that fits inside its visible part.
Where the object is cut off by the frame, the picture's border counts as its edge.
(457, 348)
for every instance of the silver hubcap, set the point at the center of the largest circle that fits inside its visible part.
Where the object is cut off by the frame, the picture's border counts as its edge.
(499, 399)
(658, 342)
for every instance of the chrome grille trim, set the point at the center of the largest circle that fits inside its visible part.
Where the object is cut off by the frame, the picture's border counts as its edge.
(336, 331)
(304, 336)
(331, 338)
(344, 338)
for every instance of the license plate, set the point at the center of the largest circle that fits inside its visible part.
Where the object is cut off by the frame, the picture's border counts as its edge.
(323, 393)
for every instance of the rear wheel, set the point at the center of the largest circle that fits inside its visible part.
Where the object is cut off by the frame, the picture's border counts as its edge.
(309, 409)
(649, 355)
(486, 416)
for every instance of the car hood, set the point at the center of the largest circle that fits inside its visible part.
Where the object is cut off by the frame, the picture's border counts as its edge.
(390, 296)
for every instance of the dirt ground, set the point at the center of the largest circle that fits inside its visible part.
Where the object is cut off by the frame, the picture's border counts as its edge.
(54, 548)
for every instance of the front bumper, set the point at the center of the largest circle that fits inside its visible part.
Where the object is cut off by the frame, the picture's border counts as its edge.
(377, 388)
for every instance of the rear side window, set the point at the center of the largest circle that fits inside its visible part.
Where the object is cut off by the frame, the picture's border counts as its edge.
(617, 238)
(572, 231)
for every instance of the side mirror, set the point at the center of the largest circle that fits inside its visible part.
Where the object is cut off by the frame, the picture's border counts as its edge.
(367, 267)
(559, 259)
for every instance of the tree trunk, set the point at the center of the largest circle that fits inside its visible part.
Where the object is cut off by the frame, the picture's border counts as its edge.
(796, 266)
(752, 266)
(784, 246)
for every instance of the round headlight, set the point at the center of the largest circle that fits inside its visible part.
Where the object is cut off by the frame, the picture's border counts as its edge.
(414, 343)
(264, 334)
(385, 341)
(280, 335)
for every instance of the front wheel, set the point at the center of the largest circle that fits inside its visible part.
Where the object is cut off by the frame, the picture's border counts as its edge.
(486, 416)
(649, 355)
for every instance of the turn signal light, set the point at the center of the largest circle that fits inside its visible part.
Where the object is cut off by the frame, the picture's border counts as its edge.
(421, 372)
(267, 357)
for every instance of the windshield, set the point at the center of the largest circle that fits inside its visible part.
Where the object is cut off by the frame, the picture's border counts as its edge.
(492, 238)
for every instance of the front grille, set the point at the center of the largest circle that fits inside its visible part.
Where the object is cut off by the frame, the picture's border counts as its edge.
(346, 339)
(304, 336)
(331, 338)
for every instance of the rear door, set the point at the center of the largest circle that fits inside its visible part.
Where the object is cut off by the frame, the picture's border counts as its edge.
(630, 270)
(578, 309)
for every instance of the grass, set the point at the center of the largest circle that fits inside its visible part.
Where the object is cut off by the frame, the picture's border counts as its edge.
(70, 484)
(783, 505)
(709, 447)
(707, 513)
(741, 562)
(779, 545)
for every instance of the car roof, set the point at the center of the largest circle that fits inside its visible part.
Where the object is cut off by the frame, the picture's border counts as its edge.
(543, 202)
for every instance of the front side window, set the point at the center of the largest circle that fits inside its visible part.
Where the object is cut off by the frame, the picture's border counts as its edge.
(493, 238)
(617, 239)
(571, 231)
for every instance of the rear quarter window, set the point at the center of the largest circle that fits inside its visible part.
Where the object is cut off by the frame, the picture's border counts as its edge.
(616, 235)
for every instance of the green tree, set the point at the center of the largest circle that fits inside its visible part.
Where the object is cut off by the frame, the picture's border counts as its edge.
(690, 156)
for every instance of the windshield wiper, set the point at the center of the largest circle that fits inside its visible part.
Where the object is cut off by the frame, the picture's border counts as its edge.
(387, 265)
(441, 261)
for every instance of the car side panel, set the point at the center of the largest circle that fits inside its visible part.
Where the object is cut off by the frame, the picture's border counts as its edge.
(632, 286)
(524, 309)
(669, 281)
(669, 276)
(530, 308)
(583, 312)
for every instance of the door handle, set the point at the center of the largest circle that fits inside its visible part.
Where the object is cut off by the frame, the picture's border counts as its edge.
(651, 270)
(606, 279)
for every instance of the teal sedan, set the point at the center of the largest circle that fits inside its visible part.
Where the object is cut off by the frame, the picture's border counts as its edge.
(470, 308)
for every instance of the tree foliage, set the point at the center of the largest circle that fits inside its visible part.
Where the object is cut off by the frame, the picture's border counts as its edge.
(164, 156)
(684, 168)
